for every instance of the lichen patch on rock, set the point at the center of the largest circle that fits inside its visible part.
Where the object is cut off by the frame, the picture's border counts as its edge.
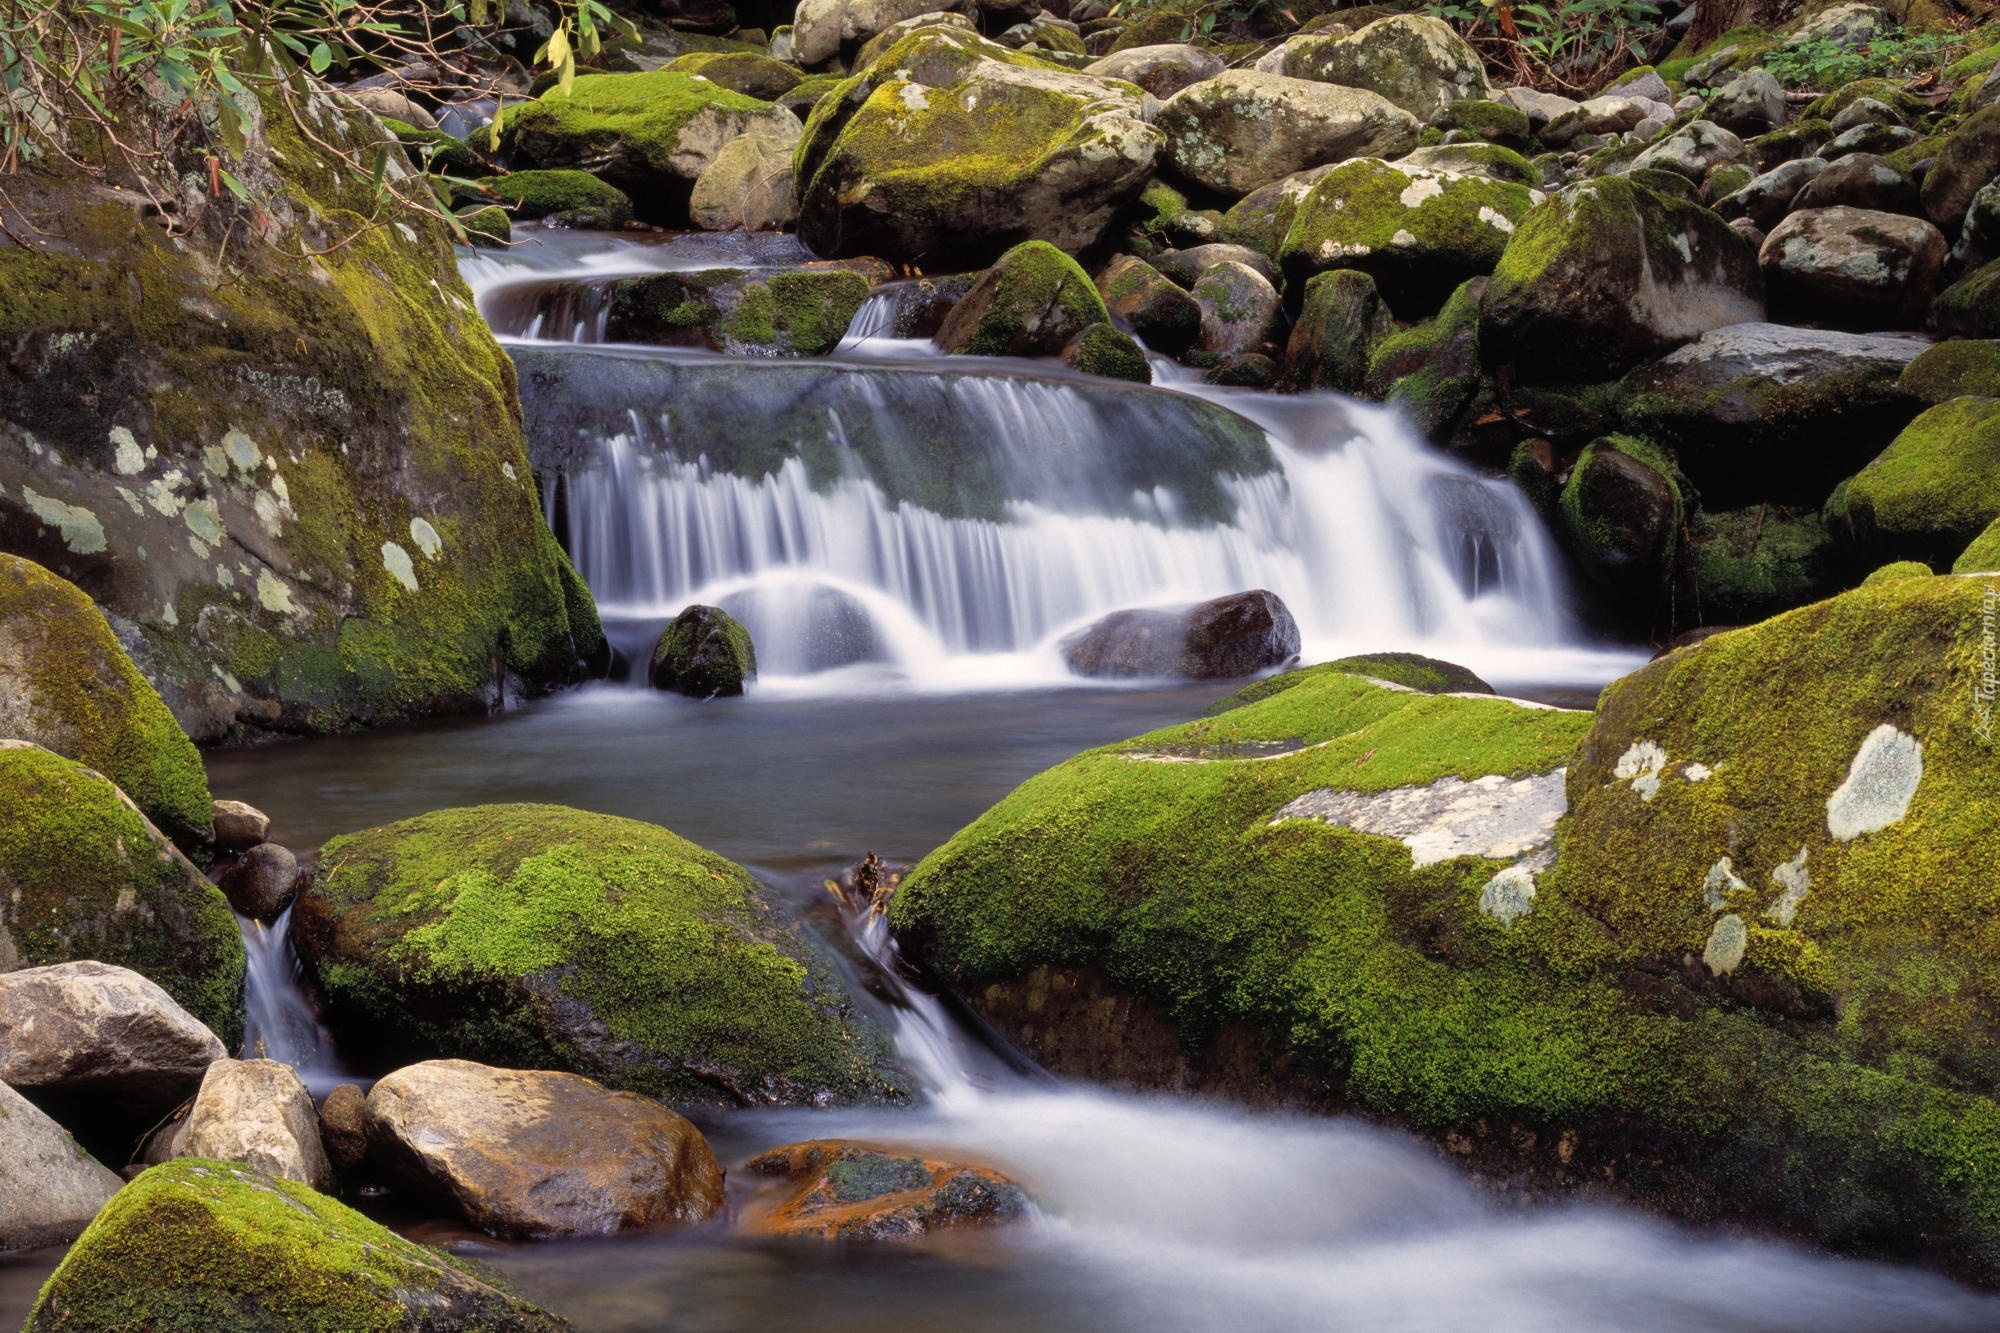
(1492, 816)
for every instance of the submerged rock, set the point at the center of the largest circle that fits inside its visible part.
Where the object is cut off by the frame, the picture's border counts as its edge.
(53, 1187)
(704, 653)
(851, 1191)
(1237, 635)
(532, 1153)
(533, 934)
(215, 1245)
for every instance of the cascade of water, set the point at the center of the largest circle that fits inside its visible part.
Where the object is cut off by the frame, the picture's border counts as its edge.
(280, 1022)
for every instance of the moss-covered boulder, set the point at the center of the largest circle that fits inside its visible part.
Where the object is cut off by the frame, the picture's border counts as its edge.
(1244, 129)
(949, 149)
(1751, 987)
(89, 877)
(1935, 488)
(704, 653)
(1959, 368)
(1970, 307)
(1418, 232)
(787, 312)
(538, 937)
(565, 196)
(1431, 370)
(1983, 555)
(1260, 219)
(651, 135)
(1607, 274)
(1748, 564)
(1104, 351)
(1622, 511)
(1413, 671)
(199, 1244)
(1969, 159)
(740, 72)
(1489, 160)
(1030, 303)
(66, 684)
(1339, 326)
(1896, 570)
(1155, 308)
(439, 153)
(1414, 60)
(1489, 121)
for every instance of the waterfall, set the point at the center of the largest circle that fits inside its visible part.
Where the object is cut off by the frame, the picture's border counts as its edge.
(280, 1020)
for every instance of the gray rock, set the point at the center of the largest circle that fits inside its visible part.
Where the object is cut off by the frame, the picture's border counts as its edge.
(1609, 114)
(239, 827)
(1979, 235)
(1242, 129)
(1237, 635)
(256, 1112)
(1186, 266)
(1861, 180)
(746, 187)
(1848, 26)
(1853, 266)
(52, 1188)
(821, 29)
(260, 883)
(1416, 61)
(1473, 159)
(1160, 70)
(1540, 107)
(1767, 198)
(1749, 103)
(1869, 139)
(1693, 151)
(1865, 111)
(1239, 308)
(1647, 84)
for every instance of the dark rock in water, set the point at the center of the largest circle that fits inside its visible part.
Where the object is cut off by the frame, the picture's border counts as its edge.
(796, 312)
(1164, 316)
(1342, 322)
(704, 654)
(851, 1191)
(1031, 303)
(1621, 515)
(239, 827)
(260, 883)
(343, 1128)
(1237, 635)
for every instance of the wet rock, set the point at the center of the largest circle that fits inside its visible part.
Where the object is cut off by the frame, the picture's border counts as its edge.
(1160, 70)
(1103, 350)
(1860, 180)
(1622, 511)
(769, 313)
(53, 1187)
(747, 187)
(1853, 267)
(260, 883)
(837, 1190)
(216, 1245)
(1165, 317)
(822, 28)
(1416, 61)
(704, 654)
(1033, 302)
(1242, 129)
(1239, 309)
(1754, 562)
(1236, 635)
(1748, 103)
(256, 1112)
(538, 1153)
(238, 827)
(343, 1128)
(740, 72)
(1340, 325)
(1767, 198)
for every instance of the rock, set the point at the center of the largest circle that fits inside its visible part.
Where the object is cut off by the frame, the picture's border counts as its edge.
(90, 878)
(260, 883)
(1956, 369)
(1622, 512)
(1186, 266)
(1751, 102)
(651, 135)
(1766, 411)
(883, 168)
(1413, 60)
(1160, 70)
(1645, 81)
(602, 946)
(66, 684)
(822, 28)
(748, 187)
(1243, 370)
(1340, 324)
(837, 1190)
(1853, 266)
(534, 1153)
(238, 826)
(215, 1245)
(896, 32)
(1970, 307)
(343, 1128)
(1031, 303)
(1242, 129)
(1472, 159)
(740, 72)
(1606, 275)
(1934, 489)
(1425, 675)
(564, 198)
(1849, 27)
(767, 313)
(1598, 115)
(1865, 111)
(1103, 350)
(1494, 123)
(1860, 180)
(54, 1187)
(1432, 370)
(1878, 139)
(1983, 555)
(1693, 151)
(258, 1113)
(1969, 160)
(1540, 107)
(1802, 138)
(704, 654)
(1166, 318)
(486, 226)
(1900, 569)
(1418, 232)
(392, 105)
(1767, 198)
(1754, 562)
(100, 1048)
(1237, 635)
(1239, 309)
(1979, 235)
(1723, 180)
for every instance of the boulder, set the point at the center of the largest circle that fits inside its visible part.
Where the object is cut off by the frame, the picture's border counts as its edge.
(1969, 160)
(895, 33)
(564, 197)
(343, 1128)
(747, 187)
(743, 72)
(705, 654)
(1494, 123)
(1103, 350)
(1622, 512)
(837, 1190)
(54, 1187)
(1878, 139)
(1956, 369)
(1413, 60)
(601, 946)
(1853, 267)
(1608, 274)
(1748, 103)
(1865, 111)
(1983, 555)
(1970, 307)
(1412, 671)
(1243, 129)
(651, 135)
(1430, 371)
(1237, 635)
(67, 685)
(258, 1113)
(239, 826)
(89, 877)
(753, 312)
(1860, 180)
(883, 167)
(1419, 232)
(1340, 324)
(1164, 317)
(1160, 70)
(1750, 564)
(1259, 220)
(1978, 241)
(1693, 151)
(534, 1153)
(823, 28)
(100, 1048)
(216, 1245)
(1539, 107)
(1609, 114)
(1473, 159)
(1934, 489)
(1032, 302)
(1897, 570)
(1240, 309)
(1186, 266)
(260, 883)
(1768, 197)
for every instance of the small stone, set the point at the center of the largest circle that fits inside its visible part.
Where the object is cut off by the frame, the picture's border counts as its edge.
(1727, 944)
(239, 827)
(261, 883)
(343, 1128)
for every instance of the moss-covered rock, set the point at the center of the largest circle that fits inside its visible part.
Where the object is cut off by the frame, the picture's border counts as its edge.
(1103, 350)
(1969, 159)
(1418, 232)
(67, 685)
(1156, 309)
(486, 226)
(743, 72)
(824, 29)
(1490, 160)
(1425, 675)
(1431, 370)
(1895, 570)
(1956, 369)
(1622, 511)
(1970, 307)
(1244, 129)
(437, 152)
(566, 197)
(1751, 563)
(1493, 122)
(1934, 488)
(200, 1245)
(1983, 555)
(89, 877)
(1415, 60)
(786, 312)
(1260, 219)
(1032, 302)
(704, 653)
(531, 936)
(1338, 329)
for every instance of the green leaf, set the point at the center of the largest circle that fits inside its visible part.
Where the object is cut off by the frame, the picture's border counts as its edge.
(235, 186)
(322, 58)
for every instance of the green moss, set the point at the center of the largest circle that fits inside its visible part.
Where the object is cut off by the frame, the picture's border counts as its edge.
(1901, 569)
(1756, 562)
(1983, 555)
(1624, 523)
(1933, 489)
(545, 937)
(1427, 675)
(1103, 350)
(1495, 122)
(438, 152)
(1161, 203)
(88, 879)
(572, 198)
(804, 313)
(640, 114)
(1431, 370)
(74, 690)
(198, 1246)
(489, 225)
(1889, 92)
(750, 73)
(1033, 286)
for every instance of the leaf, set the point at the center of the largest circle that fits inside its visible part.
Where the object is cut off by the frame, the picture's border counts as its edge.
(493, 128)
(235, 186)
(322, 58)
(381, 169)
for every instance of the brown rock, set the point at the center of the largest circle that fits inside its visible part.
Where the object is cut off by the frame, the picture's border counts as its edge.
(261, 882)
(239, 827)
(849, 1191)
(256, 1112)
(343, 1127)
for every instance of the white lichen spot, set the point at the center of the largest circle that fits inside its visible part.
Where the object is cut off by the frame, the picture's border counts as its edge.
(397, 561)
(282, 491)
(507, 471)
(127, 457)
(223, 578)
(1721, 881)
(407, 232)
(80, 530)
(132, 502)
(1727, 944)
(1697, 772)
(1641, 763)
(1493, 816)
(1495, 219)
(242, 450)
(1686, 247)
(204, 520)
(199, 547)
(269, 513)
(1791, 877)
(160, 494)
(170, 617)
(1508, 895)
(1420, 189)
(1880, 784)
(272, 594)
(1403, 236)
(426, 537)
(215, 461)
(913, 97)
